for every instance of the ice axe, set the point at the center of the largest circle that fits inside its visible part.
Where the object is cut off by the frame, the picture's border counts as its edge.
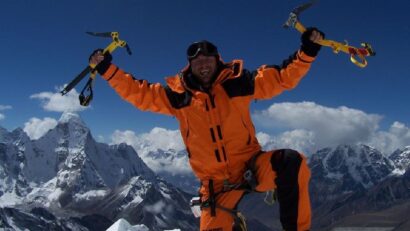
(360, 53)
(116, 42)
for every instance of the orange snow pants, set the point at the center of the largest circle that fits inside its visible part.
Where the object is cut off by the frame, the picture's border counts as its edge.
(284, 170)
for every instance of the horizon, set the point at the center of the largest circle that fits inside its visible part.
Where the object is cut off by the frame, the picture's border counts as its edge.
(162, 143)
(335, 103)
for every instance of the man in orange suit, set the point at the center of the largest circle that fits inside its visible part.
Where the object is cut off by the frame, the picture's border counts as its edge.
(211, 100)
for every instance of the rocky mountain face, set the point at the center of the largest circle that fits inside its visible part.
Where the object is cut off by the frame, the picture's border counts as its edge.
(69, 177)
(358, 186)
(401, 159)
(186, 181)
(346, 170)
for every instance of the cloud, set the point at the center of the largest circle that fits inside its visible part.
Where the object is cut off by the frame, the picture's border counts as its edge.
(397, 137)
(309, 126)
(157, 138)
(156, 208)
(2, 108)
(5, 107)
(36, 128)
(54, 101)
(306, 127)
(156, 141)
(301, 140)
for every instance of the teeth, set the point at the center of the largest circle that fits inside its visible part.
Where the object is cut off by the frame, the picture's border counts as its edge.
(204, 72)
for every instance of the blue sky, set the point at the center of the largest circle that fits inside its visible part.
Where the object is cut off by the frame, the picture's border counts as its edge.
(44, 46)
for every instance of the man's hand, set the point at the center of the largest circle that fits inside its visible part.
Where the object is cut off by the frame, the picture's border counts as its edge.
(316, 36)
(310, 39)
(96, 57)
(101, 61)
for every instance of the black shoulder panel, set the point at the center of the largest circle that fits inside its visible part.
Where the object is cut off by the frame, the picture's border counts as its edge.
(178, 100)
(240, 86)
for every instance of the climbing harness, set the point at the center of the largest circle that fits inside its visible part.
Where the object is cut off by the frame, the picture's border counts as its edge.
(248, 185)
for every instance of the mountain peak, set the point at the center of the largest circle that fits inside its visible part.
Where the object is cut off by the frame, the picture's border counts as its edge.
(74, 121)
(67, 117)
(3, 134)
(363, 164)
(401, 158)
(17, 135)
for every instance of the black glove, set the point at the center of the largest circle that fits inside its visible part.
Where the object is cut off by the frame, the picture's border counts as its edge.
(103, 66)
(310, 48)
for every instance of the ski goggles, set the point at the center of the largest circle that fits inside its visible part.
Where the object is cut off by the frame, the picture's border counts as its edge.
(202, 47)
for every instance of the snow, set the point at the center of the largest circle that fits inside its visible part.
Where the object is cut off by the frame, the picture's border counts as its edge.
(164, 190)
(10, 199)
(156, 208)
(53, 196)
(70, 117)
(364, 164)
(398, 172)
(91, 195)
(401, 159)
(161, 149)
(123, 225)
(137, 200)
(67, 167)
(333, 175)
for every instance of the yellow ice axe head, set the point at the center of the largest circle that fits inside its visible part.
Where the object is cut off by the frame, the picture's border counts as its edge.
(116, 41)
(357, 55)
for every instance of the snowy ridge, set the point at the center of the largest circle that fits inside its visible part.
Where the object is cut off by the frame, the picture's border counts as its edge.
(346, 170)
(363, 164)
(69, 174)
(401, 159)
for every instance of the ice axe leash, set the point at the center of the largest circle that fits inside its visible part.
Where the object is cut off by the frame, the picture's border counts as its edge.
(357, 55)
(84, 98)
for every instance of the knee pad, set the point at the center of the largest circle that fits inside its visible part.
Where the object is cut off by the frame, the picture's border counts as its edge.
(285, 158)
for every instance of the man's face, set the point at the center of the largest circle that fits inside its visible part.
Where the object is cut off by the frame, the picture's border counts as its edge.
(204, 68)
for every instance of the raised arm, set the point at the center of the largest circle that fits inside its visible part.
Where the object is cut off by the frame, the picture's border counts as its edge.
(271, 80)
(140, 93)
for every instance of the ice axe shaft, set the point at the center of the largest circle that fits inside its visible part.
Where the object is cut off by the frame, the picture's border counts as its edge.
(357, 55)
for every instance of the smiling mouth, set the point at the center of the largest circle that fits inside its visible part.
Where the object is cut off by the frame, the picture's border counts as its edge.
(205, 72)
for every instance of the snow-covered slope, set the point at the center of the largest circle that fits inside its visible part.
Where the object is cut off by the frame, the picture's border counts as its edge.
(13, 183)
(346, 169)
(123, 225)
(401, 159)
(69, 174)
(164, 152)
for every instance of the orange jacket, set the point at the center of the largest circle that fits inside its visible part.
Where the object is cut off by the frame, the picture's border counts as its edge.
(216, 127)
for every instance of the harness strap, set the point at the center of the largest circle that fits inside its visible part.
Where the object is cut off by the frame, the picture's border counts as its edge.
(249, 184)
(250, 174)
(212, 198)
(239, 220)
